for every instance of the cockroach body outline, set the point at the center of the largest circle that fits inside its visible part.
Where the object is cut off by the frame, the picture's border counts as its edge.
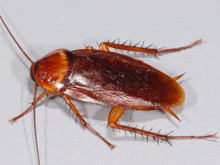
(110, 79)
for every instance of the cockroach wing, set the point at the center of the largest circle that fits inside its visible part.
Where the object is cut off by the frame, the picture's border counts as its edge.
(113, 79)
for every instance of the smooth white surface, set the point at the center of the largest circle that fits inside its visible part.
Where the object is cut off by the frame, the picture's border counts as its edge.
(41, 27)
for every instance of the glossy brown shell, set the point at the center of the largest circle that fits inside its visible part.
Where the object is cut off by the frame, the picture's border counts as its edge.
(110, 79)
(113, 79)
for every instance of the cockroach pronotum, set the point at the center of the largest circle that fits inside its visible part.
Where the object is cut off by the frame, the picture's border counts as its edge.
(110, 79)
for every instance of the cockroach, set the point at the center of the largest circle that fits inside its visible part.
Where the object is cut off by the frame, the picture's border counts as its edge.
(110, 79)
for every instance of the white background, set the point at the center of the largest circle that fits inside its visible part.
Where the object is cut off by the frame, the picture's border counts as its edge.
(41, 27)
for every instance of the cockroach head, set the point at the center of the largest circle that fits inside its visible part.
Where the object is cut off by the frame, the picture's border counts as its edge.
(50, 71)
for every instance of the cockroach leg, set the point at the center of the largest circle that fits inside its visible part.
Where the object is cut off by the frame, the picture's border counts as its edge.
(89, 47)
(180, 48)
(104, 46)
(193, 137)
(178, 77)
(25, 112)
(84, 123)
(114, 116)
(116, 113)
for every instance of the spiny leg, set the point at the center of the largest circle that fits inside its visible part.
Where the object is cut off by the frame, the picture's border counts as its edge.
(25, 112)
(114, 116)
(84, 123)
(104, 46)
(116, 113)
(180, 48)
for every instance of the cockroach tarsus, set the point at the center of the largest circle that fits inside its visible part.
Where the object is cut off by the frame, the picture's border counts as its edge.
(108, 78)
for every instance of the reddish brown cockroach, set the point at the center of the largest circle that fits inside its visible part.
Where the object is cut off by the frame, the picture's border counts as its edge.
(107, 78)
